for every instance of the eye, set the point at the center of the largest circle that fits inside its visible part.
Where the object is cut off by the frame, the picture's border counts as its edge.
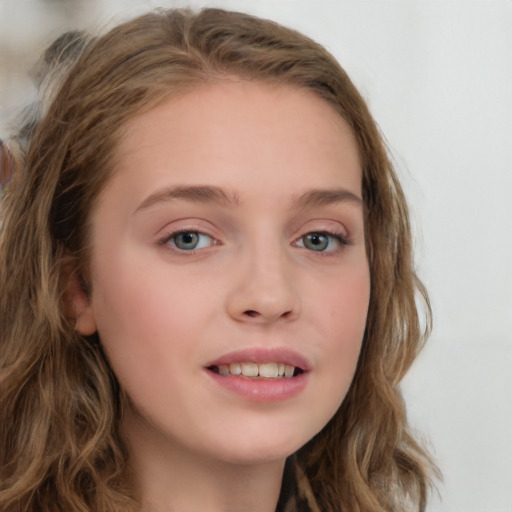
(189, 240)
(321, 241)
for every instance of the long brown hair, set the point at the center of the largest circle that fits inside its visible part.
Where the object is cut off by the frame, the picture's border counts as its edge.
(60, 449)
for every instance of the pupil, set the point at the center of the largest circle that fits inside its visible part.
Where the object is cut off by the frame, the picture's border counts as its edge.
(186, 240)
(316, 241)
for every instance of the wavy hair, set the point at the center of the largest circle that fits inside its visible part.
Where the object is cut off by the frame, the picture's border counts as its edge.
(60, 403)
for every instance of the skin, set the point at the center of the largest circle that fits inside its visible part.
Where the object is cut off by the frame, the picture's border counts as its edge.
(164, 313)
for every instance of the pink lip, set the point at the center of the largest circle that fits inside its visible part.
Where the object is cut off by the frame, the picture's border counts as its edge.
(263, 355)
(262, 390)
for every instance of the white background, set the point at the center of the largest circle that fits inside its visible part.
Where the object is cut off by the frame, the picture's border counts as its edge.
(438, 78)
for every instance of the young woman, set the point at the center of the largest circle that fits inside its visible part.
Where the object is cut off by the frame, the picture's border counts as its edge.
(207, 294)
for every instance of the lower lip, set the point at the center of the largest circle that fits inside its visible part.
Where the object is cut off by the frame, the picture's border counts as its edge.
(261, 390)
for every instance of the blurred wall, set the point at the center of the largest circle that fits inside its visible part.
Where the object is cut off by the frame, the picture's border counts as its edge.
(438, 78)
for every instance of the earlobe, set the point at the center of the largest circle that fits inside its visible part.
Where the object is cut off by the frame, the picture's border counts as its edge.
(81, 307)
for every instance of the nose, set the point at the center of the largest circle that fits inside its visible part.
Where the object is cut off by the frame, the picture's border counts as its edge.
(264, 290)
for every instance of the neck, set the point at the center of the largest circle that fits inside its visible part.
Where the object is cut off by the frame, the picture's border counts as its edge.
(172, 478)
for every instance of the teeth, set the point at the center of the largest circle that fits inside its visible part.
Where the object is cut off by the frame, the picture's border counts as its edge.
(269, 370)
(235, 369)
(249, 369)
(288, 370)
(223, 369)
(266, 370)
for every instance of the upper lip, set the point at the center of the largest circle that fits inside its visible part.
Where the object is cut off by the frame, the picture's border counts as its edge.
(262, 355)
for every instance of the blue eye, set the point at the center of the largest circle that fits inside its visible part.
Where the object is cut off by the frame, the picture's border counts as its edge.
(190, 240)
(321, 242)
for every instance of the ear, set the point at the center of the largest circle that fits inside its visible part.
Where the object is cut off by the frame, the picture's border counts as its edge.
(81, 306)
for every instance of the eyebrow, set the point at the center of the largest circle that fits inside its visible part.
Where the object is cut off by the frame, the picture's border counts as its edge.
(211, 194)
(195, 193)
(320, 197)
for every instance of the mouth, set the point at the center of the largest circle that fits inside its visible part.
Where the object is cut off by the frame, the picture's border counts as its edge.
(261, 374)
(252, 370)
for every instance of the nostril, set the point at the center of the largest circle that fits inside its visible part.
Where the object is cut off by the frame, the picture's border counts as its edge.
(255, 314)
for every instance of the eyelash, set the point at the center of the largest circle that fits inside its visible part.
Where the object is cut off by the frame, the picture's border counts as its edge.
(340, 239)
(166, 241)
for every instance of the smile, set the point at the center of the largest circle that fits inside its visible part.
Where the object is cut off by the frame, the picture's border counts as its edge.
(261, 374)
(257, 370)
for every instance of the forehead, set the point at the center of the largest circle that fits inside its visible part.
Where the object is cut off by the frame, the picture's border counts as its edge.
(235, 130)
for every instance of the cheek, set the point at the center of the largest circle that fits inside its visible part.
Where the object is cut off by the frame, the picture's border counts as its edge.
(344, 321)
(144, 323)
(345, 304)
(143, 299)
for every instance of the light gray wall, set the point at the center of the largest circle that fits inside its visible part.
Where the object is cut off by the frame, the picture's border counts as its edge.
(438, 78)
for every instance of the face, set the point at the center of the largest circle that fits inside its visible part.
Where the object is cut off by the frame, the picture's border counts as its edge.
(230, 281)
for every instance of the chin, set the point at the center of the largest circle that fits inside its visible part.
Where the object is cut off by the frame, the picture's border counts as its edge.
(262, 445)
